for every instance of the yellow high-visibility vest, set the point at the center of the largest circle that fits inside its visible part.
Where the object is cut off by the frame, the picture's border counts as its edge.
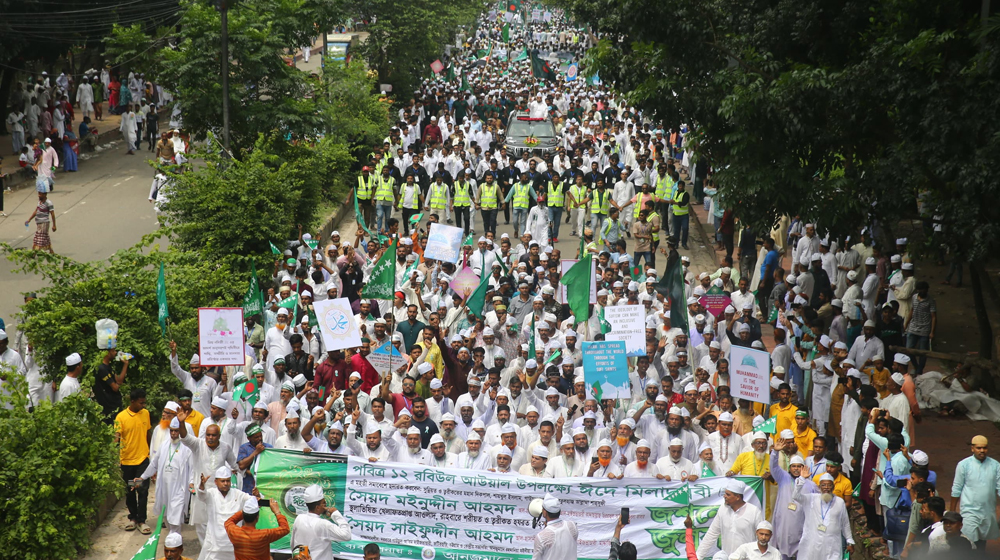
(439, 196)
(555, 196)
(384, 190)
(488, 196)
(462, 194)
(364, 191)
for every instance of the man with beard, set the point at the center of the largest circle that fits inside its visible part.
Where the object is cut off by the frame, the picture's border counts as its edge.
(503, 461)
(675, 429)
(705, 466)
(376, 447)
(422, 422)
(440, 457)
(788, 516)
(566, 464)
(208, 453)
(248, 452)
(438, 404)
(258, 417)
(453, 442)
(641, 467)
(412, 452)
(201, 386)
(760, 548)
(753, 462)
(674, 466)
(292, 438)
(535, 467)
(221, 502)
(604, 467)
(508, 441)
(581, 445)
(278, 409)
(334, 435)
(726, 444)
(651, 426)
(172, 468)
(473, 458)
(736, 522)
(826, 524)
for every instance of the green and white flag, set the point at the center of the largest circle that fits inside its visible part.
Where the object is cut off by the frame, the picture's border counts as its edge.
(274, 249)
(253, 300)
(290, 302)
(312, 244)
(706, 472)
(148, 550)
(769, 426)
(382, 282)
(161, 301)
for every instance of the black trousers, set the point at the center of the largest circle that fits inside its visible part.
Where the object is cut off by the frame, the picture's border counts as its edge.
(462, 218)
(407, 214)
(136, 498)
(506, 209)
(489, 221)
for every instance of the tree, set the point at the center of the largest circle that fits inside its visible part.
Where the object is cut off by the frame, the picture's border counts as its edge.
(842, 112)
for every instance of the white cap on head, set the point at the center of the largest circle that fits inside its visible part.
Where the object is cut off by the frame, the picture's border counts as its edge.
(726, 417)
(436, 383)
(424, 367)
(173, 540)
(447, 417)
(736, 487)
(175, 424)
(676, 442)
(629, 422)
(759, 435)
(898, 378)
(796, 460)
(223, 472)
(551, 504)
(473, 436)
(642, 443)
(765, 526)
(220, 402)
(3, 334)
(313, 493)
(541, 451)
(826, 476)
(919, 457)
(787, 434)
(413, 430)
(436, 438)
(251, 507)
(72, 359)
(901, 359)
(171, 406)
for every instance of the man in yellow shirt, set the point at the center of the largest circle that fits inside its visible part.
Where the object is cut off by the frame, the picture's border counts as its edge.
(194, 417)
(784, 410)
(753, 463)
(132, 431)
(841, 484)
(433, 356)
(804, 435)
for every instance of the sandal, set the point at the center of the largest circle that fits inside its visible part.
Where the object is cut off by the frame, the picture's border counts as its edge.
(145, 529)
(130, 526)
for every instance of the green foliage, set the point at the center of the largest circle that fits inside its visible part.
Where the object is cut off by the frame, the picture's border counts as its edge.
(354, 112)
(59, 465)
(123, 288)
(130, 46)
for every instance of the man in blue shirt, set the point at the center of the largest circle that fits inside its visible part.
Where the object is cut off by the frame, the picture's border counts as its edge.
(767, 268)
(248, 454)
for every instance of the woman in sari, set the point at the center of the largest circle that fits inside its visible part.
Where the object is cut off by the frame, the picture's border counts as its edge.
(113, 93)
(43, 215)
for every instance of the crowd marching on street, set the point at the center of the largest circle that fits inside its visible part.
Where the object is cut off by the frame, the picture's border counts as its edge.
(499, 386)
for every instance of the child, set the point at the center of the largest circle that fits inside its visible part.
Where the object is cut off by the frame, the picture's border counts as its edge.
(879, 376)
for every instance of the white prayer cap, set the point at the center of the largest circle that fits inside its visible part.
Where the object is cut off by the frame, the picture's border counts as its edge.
(540, 451)
(171, 406)
(704, 387)
(901, 241)
(799, 300)
(627, 422)
(551, 504)
(726, 417)
(618, 284)
(907, 266)
(352, 376)
(313, 493)
(473, 381)
(736, 487)
(661, 398)
(895, 258)
(725, 270)
(704, 445)
(505, 451)
(870, 261)
(403, 412)
(478, 425)
(531, 408)
(898, 378)
(810, 225)
(854, 373)
(730, 310)
(776, 383)
(759, 435)
(251, 507)
(787, 434)
(604, 443)
(530, 364)
(436, 438)
(651, 322)
(690, 387)
(602, 292)
(692, 300)
(567, 439)
(488, 332)
(675, 410)
(220, 402)
(869, 324)
(840, 345)
(3, 334)
(825, 242)
(173, 540)
(413, 431)
(642, 443)
(256, 367)
(848, 362)
(424, 367)
(261, 405)
(714, 344)
(919, 457)
(900, 358)
(570, 333)
(589, 415)
(175, 424)
(447, 417)
(633, 286)
(436, 383)
(685, 259)
(283, 311)
(72, 359)
(508, 428)
(757, 421)
(300, 380)
(543, 325)
(837, 302)
(337, 427)
(223, 472)
(703, 275)
(796, 460)
(826, 476)
(676, 442)
(757, 344)
(825, 341)
(852, 275)
(396, 336)
(765, 526)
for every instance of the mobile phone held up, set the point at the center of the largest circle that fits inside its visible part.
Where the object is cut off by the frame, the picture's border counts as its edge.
(625, 516)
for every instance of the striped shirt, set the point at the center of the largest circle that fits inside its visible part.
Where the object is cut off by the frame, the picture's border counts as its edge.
(250, 543)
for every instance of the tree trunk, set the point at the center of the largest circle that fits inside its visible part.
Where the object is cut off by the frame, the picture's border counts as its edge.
(5, 84)
(977, 275)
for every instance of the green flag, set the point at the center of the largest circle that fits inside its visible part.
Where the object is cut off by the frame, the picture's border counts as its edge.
(148, 549)
(253, 300)
(541, 68)
(359, 217)
(382, 282)
(769, 426)
(274, 249)
(672, 287)
(451, 73)
(522, 56)
(312, 244)
(468, 240)
(161, 301)
(605, 325)
(554, 355)
(477, 299)
(531, 338)
(577, 281)
(505, 34)
(513, 5)
(857, 491)
(290, 302)
(706, 472)
(595, 389)
(465, 84)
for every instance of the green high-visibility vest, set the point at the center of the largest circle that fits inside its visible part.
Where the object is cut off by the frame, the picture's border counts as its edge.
(462, 194)
(676, 207)
(384, 190)
(656, 234)
(488, 196)
(599, 204)
(663, 187)
(579, 193)
(521, 195)
(639, 202)
(439, 196)
(365, 187)
(555, 196)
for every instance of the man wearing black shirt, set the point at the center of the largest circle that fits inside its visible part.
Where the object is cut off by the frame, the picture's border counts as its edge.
(421, 420)
(889, 326)
(108, 385)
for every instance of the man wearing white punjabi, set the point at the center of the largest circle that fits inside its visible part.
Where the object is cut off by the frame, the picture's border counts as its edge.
(726, 444)
(172, 468)
(85, 98)
(202, 387)
(566, 464)
(641, 467)
(70, 384)
(321, 526)
(558, 540)
(826, 525)
(412, 453)
(221, 502)
(760, 548)
(128, 130)
(208, 454)
(605, 467)
(736, 522)
(377, 446)
(292, 438)
(473, 458)
(787, 514)
(674, 466)
(535, 467)
(440, 457)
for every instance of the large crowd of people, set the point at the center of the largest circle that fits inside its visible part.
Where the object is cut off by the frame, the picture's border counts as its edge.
(469, 394)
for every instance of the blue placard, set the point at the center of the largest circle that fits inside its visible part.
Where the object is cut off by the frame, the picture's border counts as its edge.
(605, 369)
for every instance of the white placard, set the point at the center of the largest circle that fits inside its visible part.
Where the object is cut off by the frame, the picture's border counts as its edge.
(750, 374)
(444, 243)
(220, 336)
(628, 324)
(337, 324)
